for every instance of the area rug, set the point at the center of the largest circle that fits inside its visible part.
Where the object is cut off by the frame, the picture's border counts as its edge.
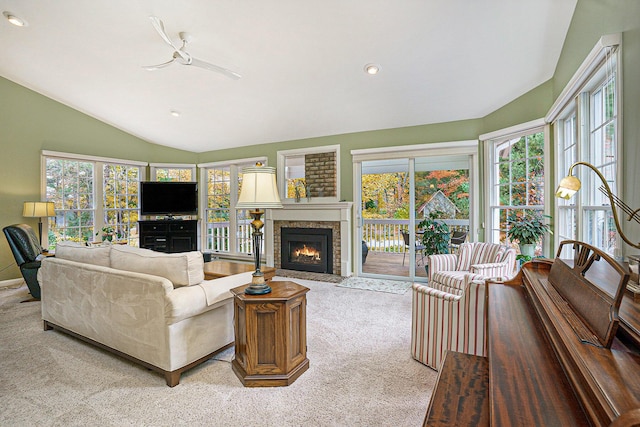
(378, 285)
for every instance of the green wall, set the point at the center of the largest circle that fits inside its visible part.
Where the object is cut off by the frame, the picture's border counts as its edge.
(32, 122)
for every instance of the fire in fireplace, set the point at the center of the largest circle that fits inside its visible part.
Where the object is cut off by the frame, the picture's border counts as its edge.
(307, 249)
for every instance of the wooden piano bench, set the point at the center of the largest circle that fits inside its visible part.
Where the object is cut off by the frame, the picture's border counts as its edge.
(461, 396)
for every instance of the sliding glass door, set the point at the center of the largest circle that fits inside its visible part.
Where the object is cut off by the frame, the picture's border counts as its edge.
(395, 200)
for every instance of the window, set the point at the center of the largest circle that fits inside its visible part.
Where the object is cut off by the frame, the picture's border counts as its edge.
(172, 172)
(69, 184)
(567, 150)
(226, 230)
(90, 193)
(517, 180)
(121, 184)
(586, 126)
(310, 173)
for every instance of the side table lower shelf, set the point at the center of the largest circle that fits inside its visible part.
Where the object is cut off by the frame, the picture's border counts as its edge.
(270, 335)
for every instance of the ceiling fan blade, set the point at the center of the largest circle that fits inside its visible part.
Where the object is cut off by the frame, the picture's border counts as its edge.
(217, 69)
(159, 26)
(157, 67)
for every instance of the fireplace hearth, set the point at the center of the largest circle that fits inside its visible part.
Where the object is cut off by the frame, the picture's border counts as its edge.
(307, 249)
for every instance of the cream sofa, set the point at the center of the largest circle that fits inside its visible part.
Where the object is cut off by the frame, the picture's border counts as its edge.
(153, 308)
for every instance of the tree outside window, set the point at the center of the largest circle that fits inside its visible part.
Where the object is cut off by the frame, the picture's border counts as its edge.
(69, 185)
(518, 176)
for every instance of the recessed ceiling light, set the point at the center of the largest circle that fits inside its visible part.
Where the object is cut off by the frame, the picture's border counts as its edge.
(18, 22)
(371, 69)
(175, 113)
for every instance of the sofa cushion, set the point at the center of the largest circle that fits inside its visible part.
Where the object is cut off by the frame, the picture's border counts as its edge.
(95, 255)
(183, 269)
(450, 279)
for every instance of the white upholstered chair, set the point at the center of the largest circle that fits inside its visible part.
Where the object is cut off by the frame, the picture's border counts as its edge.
(449, 311)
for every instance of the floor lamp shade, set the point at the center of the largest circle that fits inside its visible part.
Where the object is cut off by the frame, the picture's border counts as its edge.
(38, 209)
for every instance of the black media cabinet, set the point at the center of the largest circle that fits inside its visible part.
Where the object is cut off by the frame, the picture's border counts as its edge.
(169, 235)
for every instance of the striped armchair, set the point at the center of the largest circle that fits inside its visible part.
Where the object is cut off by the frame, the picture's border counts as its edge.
(449, 311)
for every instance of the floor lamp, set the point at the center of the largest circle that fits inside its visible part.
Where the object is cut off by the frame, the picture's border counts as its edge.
(259, 191)
(38, 210)
(570, 185)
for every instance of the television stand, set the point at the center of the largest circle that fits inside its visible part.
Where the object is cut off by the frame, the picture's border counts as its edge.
(169, 235)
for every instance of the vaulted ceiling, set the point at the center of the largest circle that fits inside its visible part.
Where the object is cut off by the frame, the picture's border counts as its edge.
(302, 63)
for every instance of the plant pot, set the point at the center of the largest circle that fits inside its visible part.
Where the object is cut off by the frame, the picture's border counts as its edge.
(529, 249)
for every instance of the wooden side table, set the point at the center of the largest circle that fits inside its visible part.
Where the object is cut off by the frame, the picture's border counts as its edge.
(271, 335)
(218, 268)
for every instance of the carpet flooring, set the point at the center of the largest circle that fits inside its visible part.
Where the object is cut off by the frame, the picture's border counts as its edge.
(361, 374)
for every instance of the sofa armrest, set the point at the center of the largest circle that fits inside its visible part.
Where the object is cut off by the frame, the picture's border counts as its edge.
(495, 269)
(435, 293)
(189, 301)
(217, 289)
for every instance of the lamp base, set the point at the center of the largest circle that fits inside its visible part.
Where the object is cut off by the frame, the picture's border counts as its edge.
(258, 285)
(258, 289)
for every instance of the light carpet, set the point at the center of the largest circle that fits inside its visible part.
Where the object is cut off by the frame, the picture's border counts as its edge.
(361, 374)
(378, 285)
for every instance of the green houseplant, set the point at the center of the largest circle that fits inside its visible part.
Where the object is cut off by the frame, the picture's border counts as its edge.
(435, 238)
(108, 233)
(527, 228)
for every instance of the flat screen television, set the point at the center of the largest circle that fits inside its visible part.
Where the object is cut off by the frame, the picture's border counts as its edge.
(168, 198)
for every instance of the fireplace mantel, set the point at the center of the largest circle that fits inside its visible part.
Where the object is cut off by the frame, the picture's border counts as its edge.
(316, 212)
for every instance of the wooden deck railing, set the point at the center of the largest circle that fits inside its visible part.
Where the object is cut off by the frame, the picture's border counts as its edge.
(383, 235)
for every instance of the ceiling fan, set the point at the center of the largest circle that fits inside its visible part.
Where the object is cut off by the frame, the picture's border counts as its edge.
(181, 56)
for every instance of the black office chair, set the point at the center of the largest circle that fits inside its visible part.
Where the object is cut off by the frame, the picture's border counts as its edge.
(27, 251)
(419, 247)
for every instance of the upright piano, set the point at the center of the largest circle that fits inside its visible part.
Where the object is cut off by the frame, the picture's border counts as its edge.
(563, 349)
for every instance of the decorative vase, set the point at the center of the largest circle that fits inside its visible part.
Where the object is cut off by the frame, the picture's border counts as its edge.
(528, 249)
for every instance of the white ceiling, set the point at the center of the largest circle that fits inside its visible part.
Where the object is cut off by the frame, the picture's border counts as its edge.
(301, 63)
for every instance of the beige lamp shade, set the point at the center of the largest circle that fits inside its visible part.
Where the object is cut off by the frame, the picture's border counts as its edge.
(569, 185)
(259, 189)
(38, 209)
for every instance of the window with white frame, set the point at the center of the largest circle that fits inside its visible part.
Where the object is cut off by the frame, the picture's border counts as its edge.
(586, 126)
(517, 181)
(91, 194)
(310, 173)
(226, 230)
(121, 185)
(172, 172)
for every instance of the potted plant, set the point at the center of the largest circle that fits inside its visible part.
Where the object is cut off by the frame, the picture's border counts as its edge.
(108, 233)
(527, 228)
(435, 237)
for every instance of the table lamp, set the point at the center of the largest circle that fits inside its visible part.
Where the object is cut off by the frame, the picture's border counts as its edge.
(38, 210)
(259, 191)
(570, 185)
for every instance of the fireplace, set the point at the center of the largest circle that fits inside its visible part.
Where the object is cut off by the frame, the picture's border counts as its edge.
(307, 249)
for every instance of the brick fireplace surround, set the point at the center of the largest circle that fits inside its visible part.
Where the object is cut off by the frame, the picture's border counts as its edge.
(336, 216)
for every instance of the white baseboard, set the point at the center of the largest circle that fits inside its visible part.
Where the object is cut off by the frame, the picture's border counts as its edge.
(11, 282)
